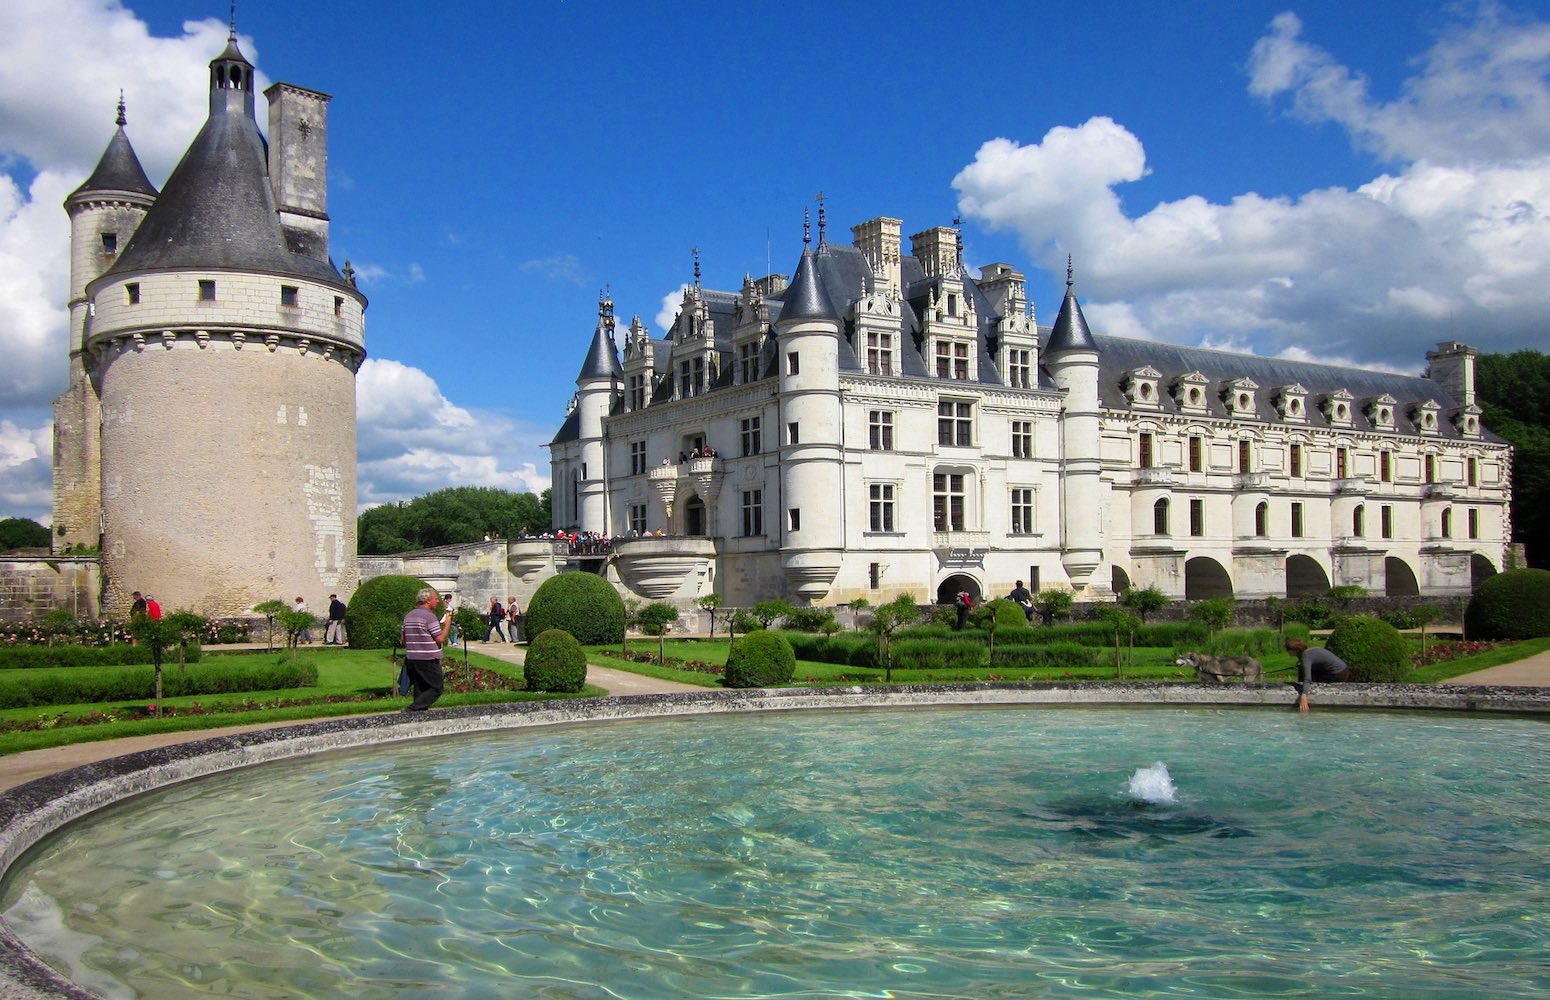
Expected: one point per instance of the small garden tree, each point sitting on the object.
(295, 623)
(1344, 594)
(188, 626)
(1214, 613)
(886, 620)
(1423, 615)
(1052, 604)
(654, 620)
(771, 611)
(156, 634)
(1144, 601)
(710, 604)
(994, 615)
(466, 622)
(1123, 624)
(631, 620)
(269, 609)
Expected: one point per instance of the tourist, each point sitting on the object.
(495, 620)
(137, 609)
(333, 635)
(300, 607)
(152, 609)
(424, 636)
(1314, 663)
(513, 620)
(964, 603)
(1024, 600)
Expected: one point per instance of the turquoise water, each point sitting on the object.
(945, 853)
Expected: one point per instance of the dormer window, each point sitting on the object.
(1337, 407)
(952, 359)
(1190, 392)
(1240, 396)
(1380, 411)
(1292, 403)
(1467, 420)
(1141, 387)
(1424, 417)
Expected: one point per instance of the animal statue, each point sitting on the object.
(1216, 669)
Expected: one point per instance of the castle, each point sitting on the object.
(206, 442)
(886, 423)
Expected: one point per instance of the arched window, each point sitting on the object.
(1359, 521)
(1447, 522)
(1160, 517)
(1262, 519)
(575, 495)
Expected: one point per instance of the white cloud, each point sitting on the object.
(672, 302)
(1438, 249)
(26, 461)
(564, 267)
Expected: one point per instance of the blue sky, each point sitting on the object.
(1341, 181)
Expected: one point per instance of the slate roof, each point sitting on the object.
(1070, 331)
(602, 359)
(118, 170)
(806, 297)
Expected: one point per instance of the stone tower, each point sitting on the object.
(807, 338)
(1071, 355)
(597, 387)
(223, 346)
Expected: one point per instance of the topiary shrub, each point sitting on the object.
(1009, 614)
(760, 659)
(1510, 605)
(583, 604)
(555, 661)
(374, 618)
(1373, 649)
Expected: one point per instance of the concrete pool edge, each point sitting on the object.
(32, 811)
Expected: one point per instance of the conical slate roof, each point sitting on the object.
(806, 298)
(602, 357)
(1070, 331)
(118, 170)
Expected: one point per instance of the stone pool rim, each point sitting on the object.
(30, 812)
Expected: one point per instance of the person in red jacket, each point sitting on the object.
(152, 609)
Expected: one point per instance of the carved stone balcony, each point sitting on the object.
(1353, 486)
(1439, 491)
(1157, 475)
(656, 568)
(1251, 481)
(962, 547)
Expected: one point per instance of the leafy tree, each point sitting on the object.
(1514, 395)
(1052, 604)
(1124, 625)
(21, 533)
(768, 612)
(188, 626)
(1423, 615)
(886, 620)
(1344, 594)
(654, 620)
(295, 623)
(269, 609)
(1144, 601)
(710, 603)
(1214, 614)
(466, 622)
(450, 516)
(157, 634)
(994, 615)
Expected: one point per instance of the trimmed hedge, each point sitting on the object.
(1060, 656)
(1373, 649)
(760, 659)
(936, 654)
(848, 649)
(116, 655)
(1510, 605)
(555, 661)
(1240, 642)
(138, 683)
(374, 618)
(583, 604)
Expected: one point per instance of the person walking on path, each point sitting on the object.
(1024, 600)
(300, 607)
(496, 619)
(152, 609)
(424, 636)
(333, 635)
(513, 619)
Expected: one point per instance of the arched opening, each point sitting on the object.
(1204, 577)
(1261, 519)
(1399, 579)
(1359, 521)
(949, 588)
(1481, 569)
(1160, 517)
(1119, 580)
(694, 517)
(1305, 577)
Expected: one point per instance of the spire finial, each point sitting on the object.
(232, 34)
(822, 220)
(958, 231)
(605, 309)
(807, 230)
(121, 119)
(696, 252)
(1069, 281)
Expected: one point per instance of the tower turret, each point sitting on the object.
(1071, 355)
(597, 386)
(807, 337)
(231, 80)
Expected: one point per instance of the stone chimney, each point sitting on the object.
(1453, 368)
(298, 166)
(937, 251)
(878, 241)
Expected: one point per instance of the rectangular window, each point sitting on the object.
(133, 291)
(1296, 518)
(1474, 523)
(1473, 466)
(1144, 455)
(1295, 459)
(947, 501)
(952, 360)
(1196, 453)
(753, 512)
(638, 518)
(880, 430)
(874, 572)
(637, 394)
(110, 243)
(206, 290)
(1342, 463)
(637, 458)
(1245, 456)
(792, 437)
(1022, 439)
(1386, 520)
(954, 424)
(880, 498)
(1386, 466)
(793, 364)
(1019, 369)
(795, 518)
(288, 295)
(1197, 517)
(747, 363)
(685, 381)
(879, 353)
(749, 428)
(338, 305)
(1022, 510)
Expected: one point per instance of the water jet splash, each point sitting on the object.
(1153, 786)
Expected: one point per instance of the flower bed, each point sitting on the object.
(1442, 652)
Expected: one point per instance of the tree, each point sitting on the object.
(1144, 601)
(1514, 395)
(21, 533)
(1123, 624)
(1052, 604)
(1423, 615)
(1214, 614)
(654, 620)
(631, 619)
(886, 620)
(768, 612)
(1344, 594)
(992, 615)
(295, 623)
(187, 625)
(710, 603)
(450, 516)
(269, 609)
(156, 634)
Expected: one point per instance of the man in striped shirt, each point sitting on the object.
(424, 636)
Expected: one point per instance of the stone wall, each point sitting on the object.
(32, 585)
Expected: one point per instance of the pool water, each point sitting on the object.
(908, 854)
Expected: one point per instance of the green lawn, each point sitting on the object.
(364, 677)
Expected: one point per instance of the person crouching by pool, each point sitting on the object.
(1315, 664)
(424, 635)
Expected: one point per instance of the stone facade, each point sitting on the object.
(474, 572)
(884, 423)
(206, 443)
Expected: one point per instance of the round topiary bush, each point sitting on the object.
(374, 618)
(1510, 605)
(1373, 649)
(555, 662)
(1009, 614)
(583, 604)
(760, 659)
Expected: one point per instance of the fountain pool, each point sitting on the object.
(953, 853)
